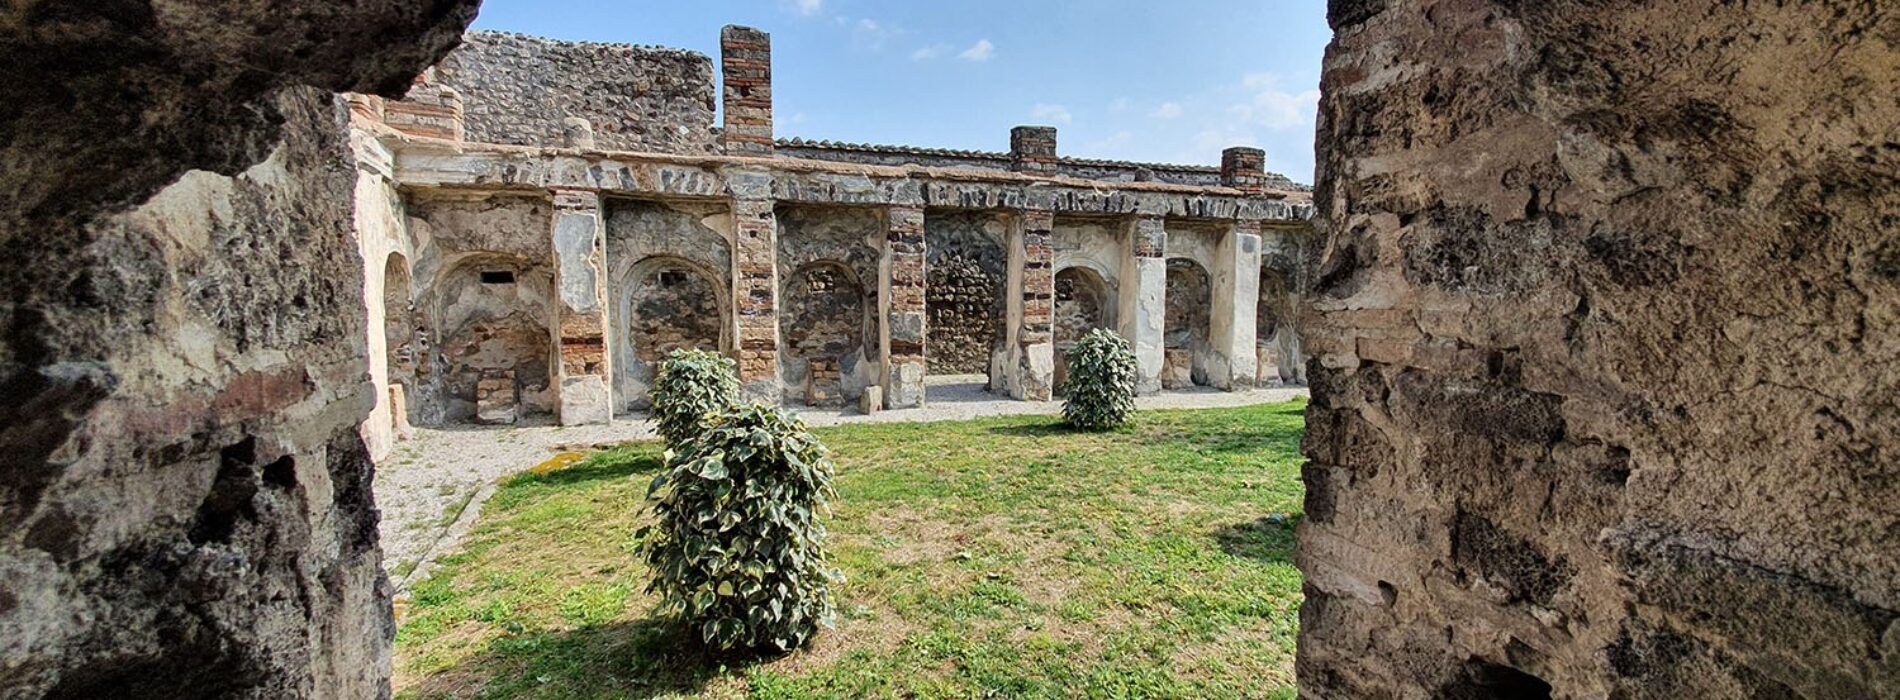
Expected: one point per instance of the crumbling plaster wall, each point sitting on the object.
(472, 326)
(1190, 296)
(836, 324)
(185, 507)
(967, 269)
(1281, 355)
(1088, 254)
(517, 89)
(652, 316)
(1606, 388)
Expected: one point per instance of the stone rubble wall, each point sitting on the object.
(1605, 322)
(519, 89)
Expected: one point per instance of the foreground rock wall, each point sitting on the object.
(1606, 389)
(184, 498)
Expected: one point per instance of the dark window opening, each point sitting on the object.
(1483, 680)
(672, 278)
(498, 277)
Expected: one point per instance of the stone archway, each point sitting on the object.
(1082, 304)
(823, 318)
(1186, 328)
(672, 305)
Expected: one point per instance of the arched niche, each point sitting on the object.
(825, 316)
(1083, 302)
(1186, 329)
(404, 340)
(494, 359)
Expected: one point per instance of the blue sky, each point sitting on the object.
(1150, 80)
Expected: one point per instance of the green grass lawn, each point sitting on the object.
(1004, 557)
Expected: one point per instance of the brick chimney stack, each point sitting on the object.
(1032, 149)
(745, 58)
(1244, 168)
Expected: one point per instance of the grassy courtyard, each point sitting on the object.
(1003, 557)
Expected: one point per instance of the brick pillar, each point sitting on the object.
(1032, 149)
(430, 109)
(1236, 295)
(902, 299)
(1030, 374)
(580, 290)
(1244, 169)
(745, 58)
(1141, 307)
(755, 292)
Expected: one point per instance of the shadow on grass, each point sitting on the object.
(646, 658)
(1035, 429)
(1261, 540)
(608, 465)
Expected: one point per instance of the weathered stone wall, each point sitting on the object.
(828, 267)
(1189, 296)
(485, 300)
(1086, 168)
(1280, 354)
(517, 89)
(967, 267)
(669, 281)
(185, 506)
(1606, 397)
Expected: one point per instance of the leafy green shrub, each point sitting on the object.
(693, 386)
(1101, 382)
(738, 553)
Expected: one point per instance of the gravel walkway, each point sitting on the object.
(431, 488)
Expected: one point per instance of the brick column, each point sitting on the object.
(1244, 169)
(580, 291)
(745, 58)
(1032, 149)
(1141, 308)
(755, 293)
(902, 302)
(1030, 374)
(430, 109)
(1236, 294)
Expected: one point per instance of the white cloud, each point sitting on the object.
(1167, 110)
(808, 8)
(979, 51)
(928, 52)
(1051, 113)
(1268, 106)
(867, 33)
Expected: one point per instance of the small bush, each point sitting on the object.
(1101, 382)
(693, 386)
(738, 553)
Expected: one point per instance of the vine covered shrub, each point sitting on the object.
(738, 554)
(694, 386)
(1101, 382)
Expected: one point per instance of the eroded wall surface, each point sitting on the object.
(1606, 388)
(669, 282)
(519, 89)
(184, 503)
(964, 296)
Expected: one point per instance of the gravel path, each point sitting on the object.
(431, 488)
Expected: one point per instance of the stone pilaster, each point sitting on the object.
(755, 292)
(902, 302)
(745, 56)
(1236, 295)
(1030, 373)
(580, 290)
(1141, 308)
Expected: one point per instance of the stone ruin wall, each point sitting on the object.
(964, 301)
(1606, 388)
(519, 89)
(669, 283)
(828, 272)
